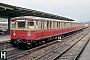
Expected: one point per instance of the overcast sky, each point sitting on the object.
(77, 9)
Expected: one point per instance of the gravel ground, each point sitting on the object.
(43, 50)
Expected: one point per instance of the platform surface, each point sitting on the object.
(4, 37)
(86, 53)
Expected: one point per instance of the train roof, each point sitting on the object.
(41, 19)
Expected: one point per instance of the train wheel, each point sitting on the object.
(29, 45)
(39, 43)
(14, 43)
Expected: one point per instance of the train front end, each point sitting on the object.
(20, 31)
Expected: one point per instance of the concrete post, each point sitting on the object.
(8, 31)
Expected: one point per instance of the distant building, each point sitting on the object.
(3, 24)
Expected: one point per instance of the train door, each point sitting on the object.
(42, 28)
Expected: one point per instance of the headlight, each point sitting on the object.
(29, 34)
(14, 33)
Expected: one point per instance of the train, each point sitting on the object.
(32, 31)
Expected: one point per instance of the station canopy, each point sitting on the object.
(9, 11)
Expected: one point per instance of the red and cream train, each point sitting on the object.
(31, 30)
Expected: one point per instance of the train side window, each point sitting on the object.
(45, 25)
(68, 25)
(71, 25)
(65, 25)
(42, 25)
(49, 25)
(13, 24)
(62, 25)
(39, 25)
(31, 24)
(53, 25)
(59, 24)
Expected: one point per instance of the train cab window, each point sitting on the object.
(21, 23)
(31, 24)
(13, 24)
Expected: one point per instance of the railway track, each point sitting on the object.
(66, 51)
(73, 53)
(19, 54)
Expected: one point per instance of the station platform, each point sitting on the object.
(4, 37)
(85, 53)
